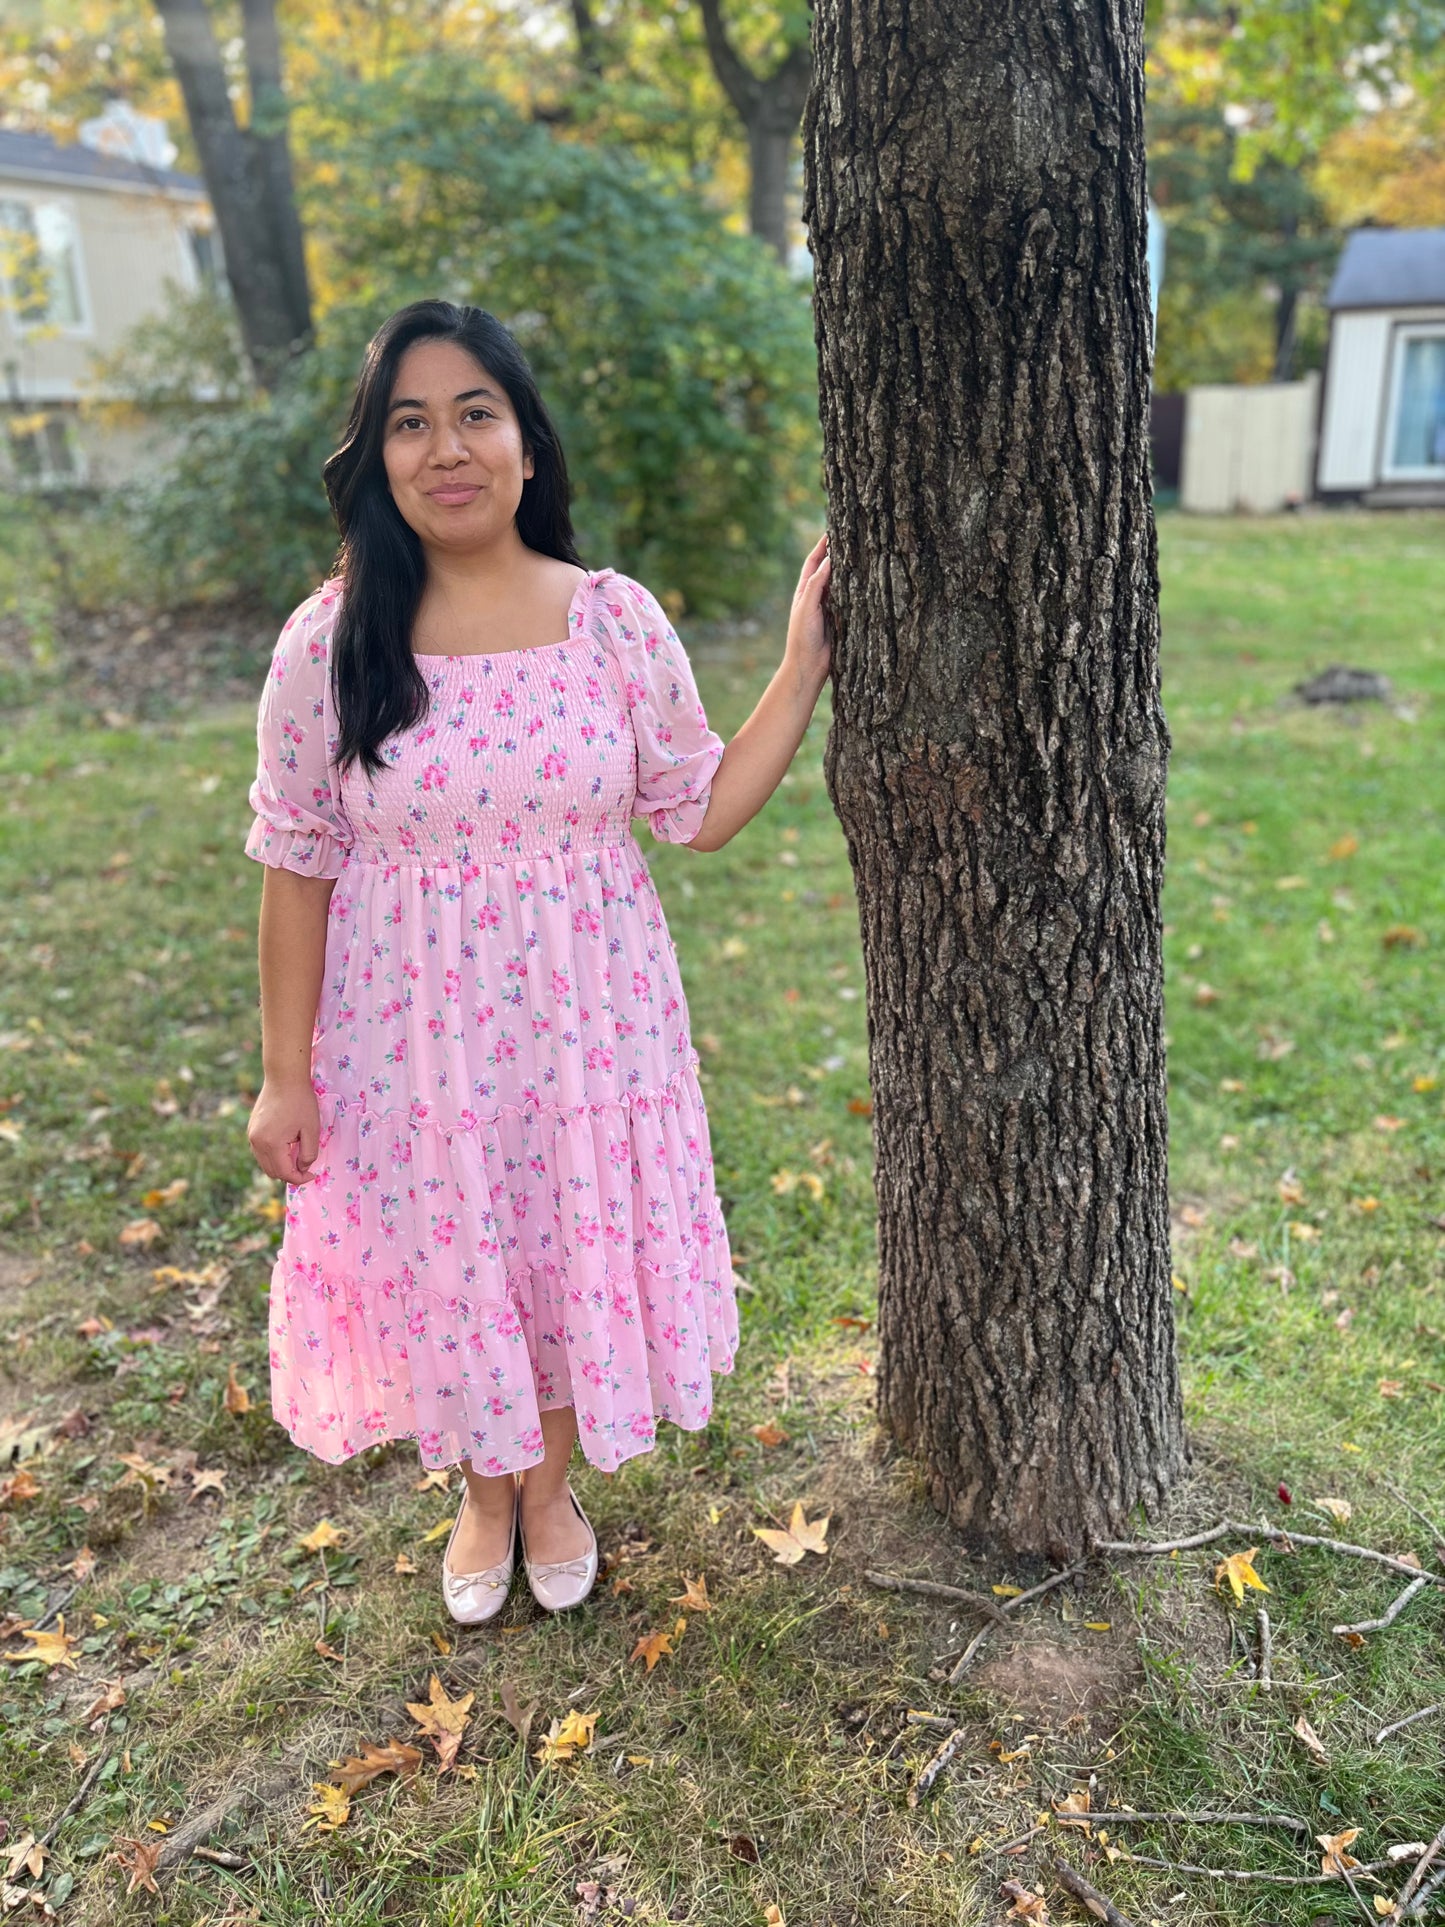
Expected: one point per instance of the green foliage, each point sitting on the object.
(676, 357)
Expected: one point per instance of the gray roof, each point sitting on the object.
(1386, 267)
(38, 157)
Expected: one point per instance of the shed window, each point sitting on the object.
(1418, 438)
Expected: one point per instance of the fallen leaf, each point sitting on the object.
(800, 1536)
(1026, 1904)
(321, 1536)
(141, 1863)
(166, 1194)
(1239, 1570)
(1291, 1191)
(140, 1231)
(1386, 1123)
(438, 1531)
(565, 1737)
(403, 1564)
(695, 1598)
(331, 1811)
(110, 1701)
(1311, 1740)
(1073, 1808)
(328, 1652)
(438, 1479)
(443, 1721)
(359, 1770)
(19, 1486)
(1344, 846)
(1340, 1510)
(211, 1480)
(1402, 936)
(651, 1646)
(28, 1852)
(1335, 1858)
(237, 1398)
(51, 1649)
(1392, 1388)
(769, 1433)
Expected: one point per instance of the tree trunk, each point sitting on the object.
(975, 198)
(271, 149)
(261, 255)
(768, 107)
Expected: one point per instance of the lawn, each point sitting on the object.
(220, 1665)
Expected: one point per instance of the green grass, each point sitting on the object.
(749, 1769)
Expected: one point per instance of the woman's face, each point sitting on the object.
(453, 448)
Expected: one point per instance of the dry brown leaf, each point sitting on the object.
(769, 1433)
(565, 1736)
(1335, 1858)
(443, 1720)
(695, 1598)
(29, 1853)
(1026, 1904)
(109, 1701)
(800, 1536)
(140, 1864)
(165, 1194)
(403, 1564)
(651, 1646)
(328, 1652)
(359, 1770)
(1311, 1740)
(141, 1232)
(19, 1486)
(237, 1398)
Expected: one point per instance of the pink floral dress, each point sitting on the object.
(513, 1206)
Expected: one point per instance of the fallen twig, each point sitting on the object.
(1244, 1877)
(1426, 1894)
(1402, 1907)
(53, 1612)
(1100, 1907)
(1392, 1612)
(1210, 1819)
(1011, 1606)
(936, 1589)
(1266, 1650)
(929, 1773)
(183, 1842)
(967, 1656)
(1288, 1534)
(1409, 1720)
(235, 1861)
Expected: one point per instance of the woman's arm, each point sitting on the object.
(757, 758)
(284, 1131)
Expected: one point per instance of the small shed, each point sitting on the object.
(1382, 420)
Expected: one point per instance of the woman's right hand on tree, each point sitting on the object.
(285, 1131)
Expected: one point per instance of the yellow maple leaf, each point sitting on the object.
(800, 1536)
(331, 1811)
(321, 1536)
(1239, 1570)
(651, 1646)
(437, 1531)
(565, 1737)
(51, 1649)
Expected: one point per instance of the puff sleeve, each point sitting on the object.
(299, 823)
(677, 752)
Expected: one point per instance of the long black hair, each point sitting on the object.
(376, 683)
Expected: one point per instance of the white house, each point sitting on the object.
(1382, 420)
(88, 239)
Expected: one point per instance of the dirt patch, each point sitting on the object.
(127, 665)
(1051, 1684)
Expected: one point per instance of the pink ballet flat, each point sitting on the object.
(562, 1582)
(472, 1598)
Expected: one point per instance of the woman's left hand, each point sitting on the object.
(810, 626)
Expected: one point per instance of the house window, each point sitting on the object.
(1417, 416)
(40, 257)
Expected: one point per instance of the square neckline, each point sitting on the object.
(584, 588)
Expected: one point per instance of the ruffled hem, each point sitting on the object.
(315, 853)
(470, 1384)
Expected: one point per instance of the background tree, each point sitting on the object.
(248, 177)
(975, 198)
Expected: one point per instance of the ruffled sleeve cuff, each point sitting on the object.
(281, 845)
(680, 821)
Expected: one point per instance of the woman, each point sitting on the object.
(479, 1084)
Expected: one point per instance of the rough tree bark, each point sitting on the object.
(975, 199)
(248, 178)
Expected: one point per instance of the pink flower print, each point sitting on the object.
(505, 1049)
(391, 1008)
(641, 985)
(429, 1440)
(489, 917)
(483, 1014)
(599, 1057)
(425, 733)
(419, 1111)
(554, 764)
(497, 1405)
(443, 1231)
(585, 921)
(397, 1053)
(592, 1371)
(411, 969)
(511, 835)
(434, 777)
(375, 1420)
(394, 914)
(452, 983)
(406, 837)
(436, 1026)
(642, 1426)
(467, 1119)
(416, 1323)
